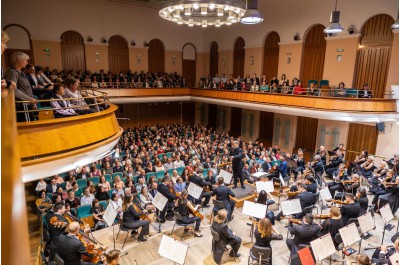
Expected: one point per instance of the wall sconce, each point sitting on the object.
(296, 37)
(103, 40)
(223, 61)
(133, 43)
(145, 44)
(173, 60)
(138, 58)
(289, 60)
(351, 30)
(251, 60)
(97, 57)
(89, 39)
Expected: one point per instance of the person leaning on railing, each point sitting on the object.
(62, 107)
(341, 91)
(71, 91)
(365, 92)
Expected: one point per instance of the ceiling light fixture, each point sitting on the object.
(334, 26)
(252, 15)
(204, 12)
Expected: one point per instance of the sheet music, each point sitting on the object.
(160, 201)
(366, 222)
(349, 234)
(194, 190)
(268, 186)
(110, 214)
(291, 207)
(386, 213)
(254, 209)
(394, 259)
(173, 250)
(226, 175)
(259, 174)
(325, 194)
(323, 247)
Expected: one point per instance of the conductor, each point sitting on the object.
(237, 164)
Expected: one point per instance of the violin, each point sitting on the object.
(294, 221)
(348, 181)
(339, 202)
(292, 194)
(322, 216)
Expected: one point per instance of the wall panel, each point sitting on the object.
(118, 54)
(271, 55)
(238, 58)
(156, 56)
(361, 137)
(306, 133)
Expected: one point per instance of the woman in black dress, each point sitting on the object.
(263, 234)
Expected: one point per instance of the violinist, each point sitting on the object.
(306, 199)
(183, 206)
(72, 249)
(362, 199)
(262, 198)
(318, 165)
(351, 209)
(199, 181)
(164, 189)
(367, 167)
(223, 193)
(311, 184)
(299, 158)
(338, 176)
(333, 224)
(131, 218)
(378, 176)
(54, 224)
(334, 163)
(263, 234)
(322, 153)
(382, 254)
(392, 194)
(303, 233)
(349, 186)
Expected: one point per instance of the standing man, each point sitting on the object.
(223, 194)
(237, 164)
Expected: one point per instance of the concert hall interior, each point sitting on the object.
(200, 132)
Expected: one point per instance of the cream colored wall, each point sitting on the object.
(91, 63)
(202, 65)
(255, 54)
(393, 74)
(247, 137)
(342, 71)
(226, 69)
(388, 143)
(51, 59)
(330, 125)
(292, 51)
(170, 66)
(292, 138)
(134, 63)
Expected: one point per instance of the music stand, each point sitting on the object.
(387, 216)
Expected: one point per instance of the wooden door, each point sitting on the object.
(189, 72)
(361, 137)
(212, 116)
(266, 131)
(236, 121)
(306, 133)
(118, 54)
(213, 59)
(238, 58)
(72, 51)
(271, 55)
(156, 56)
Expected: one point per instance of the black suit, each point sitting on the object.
(223, 194)
(170, 196)
(303, 234)
(226, 238)
(200, 182)
(50, 189)
(363, 201)
(319, 167)
(237, 166)
(306, 199)
(332, 167)
(71, 250)
(348, 211)
(332, 227)
(54, 232)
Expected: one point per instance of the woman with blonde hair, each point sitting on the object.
(263, 234)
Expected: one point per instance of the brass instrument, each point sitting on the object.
(322, 216)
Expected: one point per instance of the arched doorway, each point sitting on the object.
(189, 64)
(118, 54)
(72, 51)
(238, 58)
(312, 62)
(271, 55)
(213, 59)
(156, 56)
(373, 56)
(20, 40)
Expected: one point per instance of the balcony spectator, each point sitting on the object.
(275, 81)
(62, 107)
(38, 89)
(365, 92)
(283, 80)
(264, 87)
(295, 81)
(71, 91)
(298, 89)
(341, 91)
(255, 79)
(313, 89)
(247, 80)
(224, 79)
(254, 86)
(42, 78)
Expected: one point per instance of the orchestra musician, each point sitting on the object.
(199, 181)
(182, 206)
(306, 199)
(378, 175)
(237, 164)
(112, 257)
(391, 197)
(299, 158)
(71, 249)
(55, 229)
(318, 165)
(332, 224)
(348, 186)
(338, 176)
(263, 234)
(131, 218)
(334, 163)
(322, 153)
(262, 198)
(163, 188)
(303, 233)
(363, 259)
(223, 194)
(311, 184)
(382, 254)
(351, 209)
(367, 167)
(282, 168)
(362, 199)
(227, 237)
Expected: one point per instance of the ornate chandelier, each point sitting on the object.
(204, 13)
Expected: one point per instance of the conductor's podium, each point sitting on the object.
(49, 147)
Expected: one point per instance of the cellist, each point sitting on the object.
(184, 206)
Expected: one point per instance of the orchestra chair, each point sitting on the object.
(316, 201)
(338, 240)
(178, 219)
(58, 260)
(261, 255)
(123, 228)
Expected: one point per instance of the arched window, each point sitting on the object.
(189, 64)
(20, 40)
(238, 58)
(118, 54)
(312, 62)
(374, 54)
(213, 59)
(271, 55)
(156, 56)
(72, 51)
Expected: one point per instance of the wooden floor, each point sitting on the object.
(200, 248)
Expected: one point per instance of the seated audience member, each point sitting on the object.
(104, 183)
(298, 89)
(341, 91)
(119, 190)
(365, 92)
(102, 194)
(41, 185)
(94, 172)
(98, 211)
(264, 87)
(72, 91)
(41, 201)
(72, 200)
(83, 174)
(146, 199)
(53, 186)
(313, 89)
(37, 88)
(62, 107)
(87, 197)
(42, 78)
(180, 185)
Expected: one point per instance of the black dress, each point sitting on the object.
(265, 241)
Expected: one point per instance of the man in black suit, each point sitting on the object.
(303, 233)
(351, 209)
(72, 249)
(306, 199)
(227, 237)
(164, 190)
(53, 186)
(199, 181)
(237, 164)
(223, 194)
(318, 167)
(335, 161)
(362, 199)
(365, 92)
(55, 228)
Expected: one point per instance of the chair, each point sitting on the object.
(178, 219)
(95, 180)
(149, 175)
(180, 170)
(262, 255)
(110, 192)
(82, 183)
(83, 211)
(338, 240)
(312, 81)
(104, 204)
(169, 154)
(170, 171)
(99, 166)
(218, 205)
(108, 178)
(122, 227)
(160, 174)
(58, 260)
(205, 172)
(308, 209)
(160, 156)
(316, 199)
(117, 174)
(63, 185)
(49, 195)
